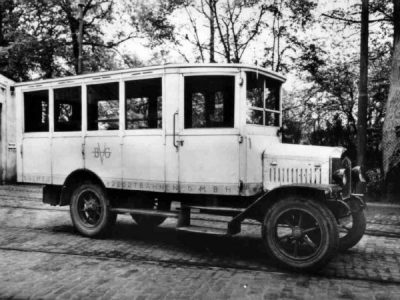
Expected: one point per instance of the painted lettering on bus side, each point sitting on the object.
(101, 153)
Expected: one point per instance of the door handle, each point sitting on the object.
(176, 143)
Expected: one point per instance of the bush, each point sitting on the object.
(375, 185)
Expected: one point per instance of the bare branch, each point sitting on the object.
(353, 21)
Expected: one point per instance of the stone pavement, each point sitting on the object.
(41, 257)
(53, 276)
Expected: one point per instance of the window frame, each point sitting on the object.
(149, 131)
(85, 127)
(143, 131)
(263, 109)
(49, 112)
(74, 132)
(236, 74)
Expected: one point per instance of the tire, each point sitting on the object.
(148, 221)
(300, 233)
(351, 229)
(149, 202)
(90, 212)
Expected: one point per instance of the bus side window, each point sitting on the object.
(36, 111)
(209, 101)
(67, 109)
(143, 103)
(103, 106)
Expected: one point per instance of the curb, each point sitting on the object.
(383, 205)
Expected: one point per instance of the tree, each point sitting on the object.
(17, 49)
(95, 13)
(225, 29)
(363, 88)
(288, 19)
(39, 38)
(391, 129)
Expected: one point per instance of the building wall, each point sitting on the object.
(7, 131)
(391, 138)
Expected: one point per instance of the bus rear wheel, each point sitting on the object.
(351, 226)
(300, 233)
(149, 202)
(90, 212)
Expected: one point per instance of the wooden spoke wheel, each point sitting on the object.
(149, 202)
(351, 228)
(89, 210)
(300, 233)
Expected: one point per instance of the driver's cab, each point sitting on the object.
(231, 113)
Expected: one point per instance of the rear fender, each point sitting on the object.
(75, 179)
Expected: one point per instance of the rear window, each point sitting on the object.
(36, 111)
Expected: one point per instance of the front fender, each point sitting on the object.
(257, 209)
(319, 191)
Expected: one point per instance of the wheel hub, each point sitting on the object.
(90, 205)
(297, 232)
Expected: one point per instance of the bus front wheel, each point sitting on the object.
(300, 233)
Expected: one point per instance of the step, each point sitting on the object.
(217, 210)
(146, 212)
(205, 230)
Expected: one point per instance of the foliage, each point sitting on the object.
(375, 184)
(225, 30)
(288, 19)
(327, 104)
(40, 38)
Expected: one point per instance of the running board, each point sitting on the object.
(184, 219)
(146, 212)
(219, 210)
(205, 230)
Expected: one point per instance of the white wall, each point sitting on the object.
(7, 132)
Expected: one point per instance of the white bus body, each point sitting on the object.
(221, 161)
(203, 130)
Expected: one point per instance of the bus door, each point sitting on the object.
(208, 142)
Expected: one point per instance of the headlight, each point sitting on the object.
(340, 170)
(340, 177)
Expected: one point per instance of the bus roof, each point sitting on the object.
(149, 69)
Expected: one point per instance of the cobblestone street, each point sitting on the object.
(42, 257)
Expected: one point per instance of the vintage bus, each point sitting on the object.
(207, 136)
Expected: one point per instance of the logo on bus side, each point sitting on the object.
(101, 153)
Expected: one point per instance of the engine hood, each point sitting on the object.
(297, 164)
(308, 152)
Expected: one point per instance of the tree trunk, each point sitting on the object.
(391, 140)
(212, 32)
(363, 88)
(1, 30)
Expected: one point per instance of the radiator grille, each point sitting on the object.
(294, 175)
(280, 171)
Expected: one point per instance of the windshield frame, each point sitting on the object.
(264, 109)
